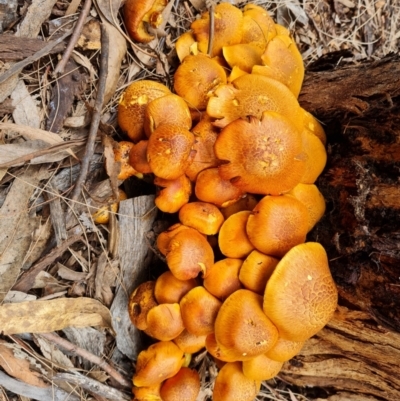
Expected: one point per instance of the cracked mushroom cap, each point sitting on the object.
(196, 79)
(232, 385)
(185, 385)
(251, 95)
(277, 224)
(174, 193)
(169, 151)
(262, 157)
(242, 326)
(160, 361)
(138, 13)
(228, 21)
(168, 109)
(301, 296)
(132, 106)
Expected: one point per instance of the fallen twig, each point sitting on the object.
(74, 38)
(212, 29)
(94, 126)
(89, 356)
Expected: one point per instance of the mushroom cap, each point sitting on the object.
(251, 95)
(228, 21)
(220, 352)
(247, 202)
(310, 196)
(264, 157)
(168, 109)
(261, 368)
(185, 385)
(236, 72)
(199, 309)
(223, 278)
(258, 26)
(186, 45)
(243, 55)
(159, 362)
(138, 158)
(174, 195)
(316, 157)
(283, 56)
(189, 254)
(140, 302)
(169, 151)
(165, 237)
(196, 79)
(283, 350)
(190, 343)
(132, 106)
(232, 385)
(301, 296)
(139, 12)
(151, 393)
(242, 326)
(233, 240)
(311, 124)
(164, 322)
(210, 187)
(256, 270)
(205, 135)
(102, 215)
(169, 290)
(277, 224)
(204, 217)
(121, 155)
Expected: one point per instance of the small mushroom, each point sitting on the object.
(247, 202)
(172, 194)
(232, 385)
(301, 297)
(243, 56)
(283, 350)
(204, 217)
(138, 158)
(185, 385)
(132, 106)
(169, 290)
(140, 302)
(160, 361)
(102, 215)
(199, 310)
(165, 237)
(137, 13)
(190, 343)
(261, 368)
(242, 326)
(151, 393)
(121, 156)
(186, 45)
(277, 224)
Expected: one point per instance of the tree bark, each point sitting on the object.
(359, 350)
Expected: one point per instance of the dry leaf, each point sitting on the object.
(109, 10)
(52, 315)
(116, 53)
(84, 62)
(18, 296)
(17, 364)
(106, 276)
(67, 274)
(53, 354)
(30, 133)
(112, 167)
(25, 111)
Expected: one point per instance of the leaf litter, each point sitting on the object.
(90, 279)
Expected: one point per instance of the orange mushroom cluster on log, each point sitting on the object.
(242, 179)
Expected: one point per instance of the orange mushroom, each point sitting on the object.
(243, 55)
(277, 224)
(256, 270)
(211, 188)
(186, 45)
(189, 254)
(137, 13)
(174, 193)
(121, 156)
(247, 202)
(228, 21)
(232, 385)
(223, 278)
(204, 217)
(132, 105)
(313, 125)
(199, 310)
(169, 290)
(301, 297)
(242, 326)
(233, 240)
(151, 393)
(283, 350)
(264, 157)
(160, 361)
(190, 343)
(261, 368)
(140, 302)
(196, 79)
(185, 385)
(138, 157)
(168, 109)
(169, 151)
(102, 215)
(251, 95)
(165, 237)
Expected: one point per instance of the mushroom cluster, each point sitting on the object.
(236, 157)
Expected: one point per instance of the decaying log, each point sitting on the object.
(358, 352)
